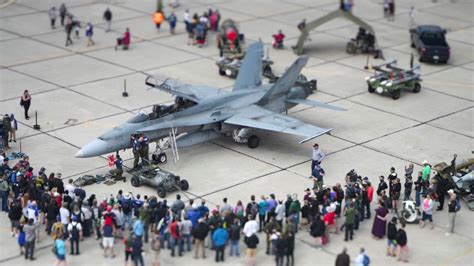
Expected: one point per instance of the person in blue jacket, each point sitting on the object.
(219, 237)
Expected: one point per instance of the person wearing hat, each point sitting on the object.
(453, 208)
(318, 156)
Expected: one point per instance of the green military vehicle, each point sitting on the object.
(392, 80)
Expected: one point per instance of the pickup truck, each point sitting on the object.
(430, 43)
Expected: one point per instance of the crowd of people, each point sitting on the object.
(69, 215)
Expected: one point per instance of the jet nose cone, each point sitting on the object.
(94, 148)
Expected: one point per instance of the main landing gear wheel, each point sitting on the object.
(253, 142)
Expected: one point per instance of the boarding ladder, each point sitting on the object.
(172, 143)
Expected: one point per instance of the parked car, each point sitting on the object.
(430, 42)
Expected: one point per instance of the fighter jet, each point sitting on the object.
(202, 113)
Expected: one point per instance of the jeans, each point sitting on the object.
(74, 242)
(29, 249)
(145, 231)
(356, 222)
(367, 207)
(349, 231)
(127, 219)
(220, 253)
(234, 246)
(261, 222)
(451, 218)
(187, 241)
(165, 237)
(138, 258)
(417, 198)
(177, 242)
(279, 260)
(362, 212)
(4, 199)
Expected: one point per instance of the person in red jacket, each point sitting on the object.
(370, 196)
(278, 39)
(124, 41)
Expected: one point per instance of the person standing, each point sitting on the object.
(251, 252)
(137, 249)
(26, 102)
(108, 18)
(108, 231)
(318, 156)
(317, 230)
(402, 241)
(75, 232)
(30, 237)
(408, 187)
(317, 175)
(172, 19)
(418, 186)
(349, 213)
(426, 176)
(234, 238)
(13, 128)
(370, 197)
(343, 258)
(68, 27)
(382, 186)
(262, 210)
(62, 13)
(89, 32)
(391, 10)
(200, 234)
(53, 15)
(362, 259)
(158, 18)
(380, 221)
(4, 190)
(60, 250)
(427, 211)
(219, 238)
(453, 208)
(391, 237)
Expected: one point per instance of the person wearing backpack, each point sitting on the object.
(127, 211)
(454, 205)
(362, 259)
(75, 232)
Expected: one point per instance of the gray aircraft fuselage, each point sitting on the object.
(221, 106)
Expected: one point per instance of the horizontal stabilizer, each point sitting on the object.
(315, 103)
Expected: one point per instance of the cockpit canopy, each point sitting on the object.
(138, 118)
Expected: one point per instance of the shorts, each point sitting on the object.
(391, 242)
(128, 254)
(427, 217)
(61, 257)
(108, 242)
(15, 223)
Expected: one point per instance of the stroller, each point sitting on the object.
(409, 213)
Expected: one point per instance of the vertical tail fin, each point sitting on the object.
(288, 79)
(250, 73)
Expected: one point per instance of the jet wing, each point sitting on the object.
(258, 117)
(181, 89)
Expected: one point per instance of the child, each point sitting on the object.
(21, 240)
